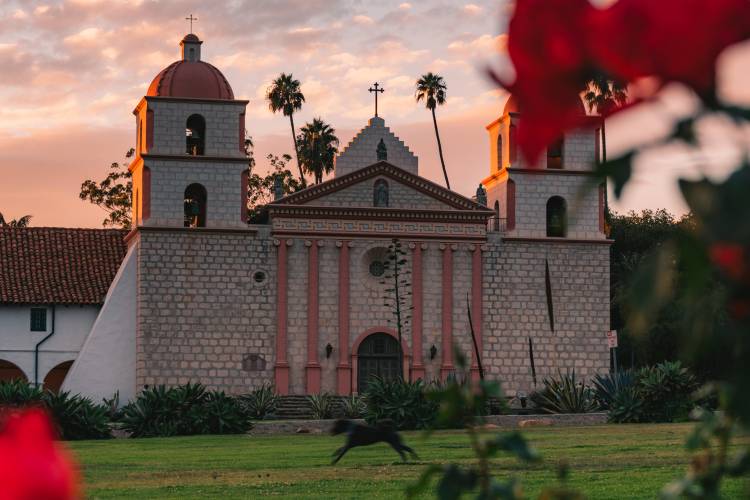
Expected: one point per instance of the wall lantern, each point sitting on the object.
(522, 397)
(329, 350)
(433, 351)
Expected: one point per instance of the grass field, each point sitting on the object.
(608, 462)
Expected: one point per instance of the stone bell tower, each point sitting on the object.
(551, 199)
(190, 164)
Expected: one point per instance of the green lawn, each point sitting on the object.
(623, 461)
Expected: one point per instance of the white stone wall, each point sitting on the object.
(515, 309)
(222, 126)
(222, 181)
(361, 195)
(533, 190)
(362, 150)
(17, 341)
(200, 312)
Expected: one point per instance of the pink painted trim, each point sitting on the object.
(601, 209)
(243, 187)
(281, 369)
(146, 193)
(476, 307)
(343, 370)
(447, 314)
(312, 369)
(362, 337)
(417, 299)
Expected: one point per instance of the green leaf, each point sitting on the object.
(514, 443)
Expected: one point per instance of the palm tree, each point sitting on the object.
(318, 146)
(21, 222)
(285, 95)
(431, 88)
(604, 96)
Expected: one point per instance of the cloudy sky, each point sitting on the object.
(73, 70)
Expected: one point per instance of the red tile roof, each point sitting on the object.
(51, 265)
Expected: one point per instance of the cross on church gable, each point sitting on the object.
(377, 90)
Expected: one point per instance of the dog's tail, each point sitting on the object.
(340, 426)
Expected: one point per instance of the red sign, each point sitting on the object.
(612, 339)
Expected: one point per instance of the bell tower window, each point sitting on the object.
(555, 154)
(557, 217)
(195, 135)
(195, 206)
(380, 193)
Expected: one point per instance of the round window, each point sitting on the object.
(377, 268)
(259, 277)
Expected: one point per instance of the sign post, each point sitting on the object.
(612, 344)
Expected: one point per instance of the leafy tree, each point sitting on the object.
(113, 194)
(431, 89)
(318, 146)
(20, 222)
(261, 189)
(285, 95)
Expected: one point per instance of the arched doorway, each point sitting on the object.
(54, 379)
(9, 371)
(377, 355)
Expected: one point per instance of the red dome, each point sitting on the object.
(191, 79)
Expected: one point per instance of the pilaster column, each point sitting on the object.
(312, 369)
(446, 366)
(477, 305)
(417, 369)
(281, 368)
(344, 369)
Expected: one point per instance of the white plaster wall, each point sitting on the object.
(106, 362)
(17, 341)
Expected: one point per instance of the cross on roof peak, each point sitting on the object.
(377, 89)
(191, 19)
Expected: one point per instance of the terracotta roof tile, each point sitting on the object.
(50, 265)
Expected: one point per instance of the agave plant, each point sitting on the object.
(321, 405)
(262, 402)
(18, 392)
(222, 414)
(353, 406)
(565, 395)
(406, 404)
(607, 386)
(77, 417)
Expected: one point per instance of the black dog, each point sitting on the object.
(364, 435)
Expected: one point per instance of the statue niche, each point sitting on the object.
(380, 193)
(382, 151)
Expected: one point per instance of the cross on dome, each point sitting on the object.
(191, 19)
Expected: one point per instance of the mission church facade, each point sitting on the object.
(203, 296)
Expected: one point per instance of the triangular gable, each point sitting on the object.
(354, 190)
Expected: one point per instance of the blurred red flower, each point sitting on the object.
(730, 258)
(547, 42)
(32, 465)
(673, 40)
(558, 46)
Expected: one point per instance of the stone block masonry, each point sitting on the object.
(203, 311)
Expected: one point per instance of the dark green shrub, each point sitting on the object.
(667, 391)
(261, 403)
(321, 405)
(183, 410)
(77, 417)
(565, 395)
(404, 403)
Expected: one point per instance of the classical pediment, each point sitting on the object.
(406, 192)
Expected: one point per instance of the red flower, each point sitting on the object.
(547, 42)
(673, 40)
(730, 258)
(32, 465)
